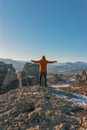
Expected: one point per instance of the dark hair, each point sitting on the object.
(43, 57)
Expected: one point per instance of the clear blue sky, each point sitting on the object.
(32, 28)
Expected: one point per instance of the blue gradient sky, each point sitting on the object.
(32, 28)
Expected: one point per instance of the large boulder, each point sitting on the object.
(22, 78)
(10, 79)
(31, 69)
(25, 79)
(3, 71)
(29, 75)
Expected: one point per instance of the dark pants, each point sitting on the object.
(43, 74)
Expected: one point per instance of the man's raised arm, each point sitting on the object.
(51, 61)
(38, 61)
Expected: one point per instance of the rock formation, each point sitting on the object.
(81, 78)
(78, 79)
(29, 75)
(8, 79)
(19, 77)
(31, 69)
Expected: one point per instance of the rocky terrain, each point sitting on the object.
(79, 89)
(24, 105)
(38, 108)
(79, 85)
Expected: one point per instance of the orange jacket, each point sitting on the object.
(43, 64)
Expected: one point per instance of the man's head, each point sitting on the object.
(43, 57)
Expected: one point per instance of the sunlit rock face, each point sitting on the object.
(22, 78)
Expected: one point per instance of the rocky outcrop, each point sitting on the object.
(58, 78)
(81, 78)
(84, 76)
(25, 79)
(3, 71)
(78, 79)
(37, 108)
(19, 77)
(31, 69)
(29, 75)
(8, 79)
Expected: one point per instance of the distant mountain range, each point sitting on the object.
(78, 64)
(18, 65)
(58, 67)
(69, 67)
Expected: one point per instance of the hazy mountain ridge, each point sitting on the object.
(68, 67)
(18, 65)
